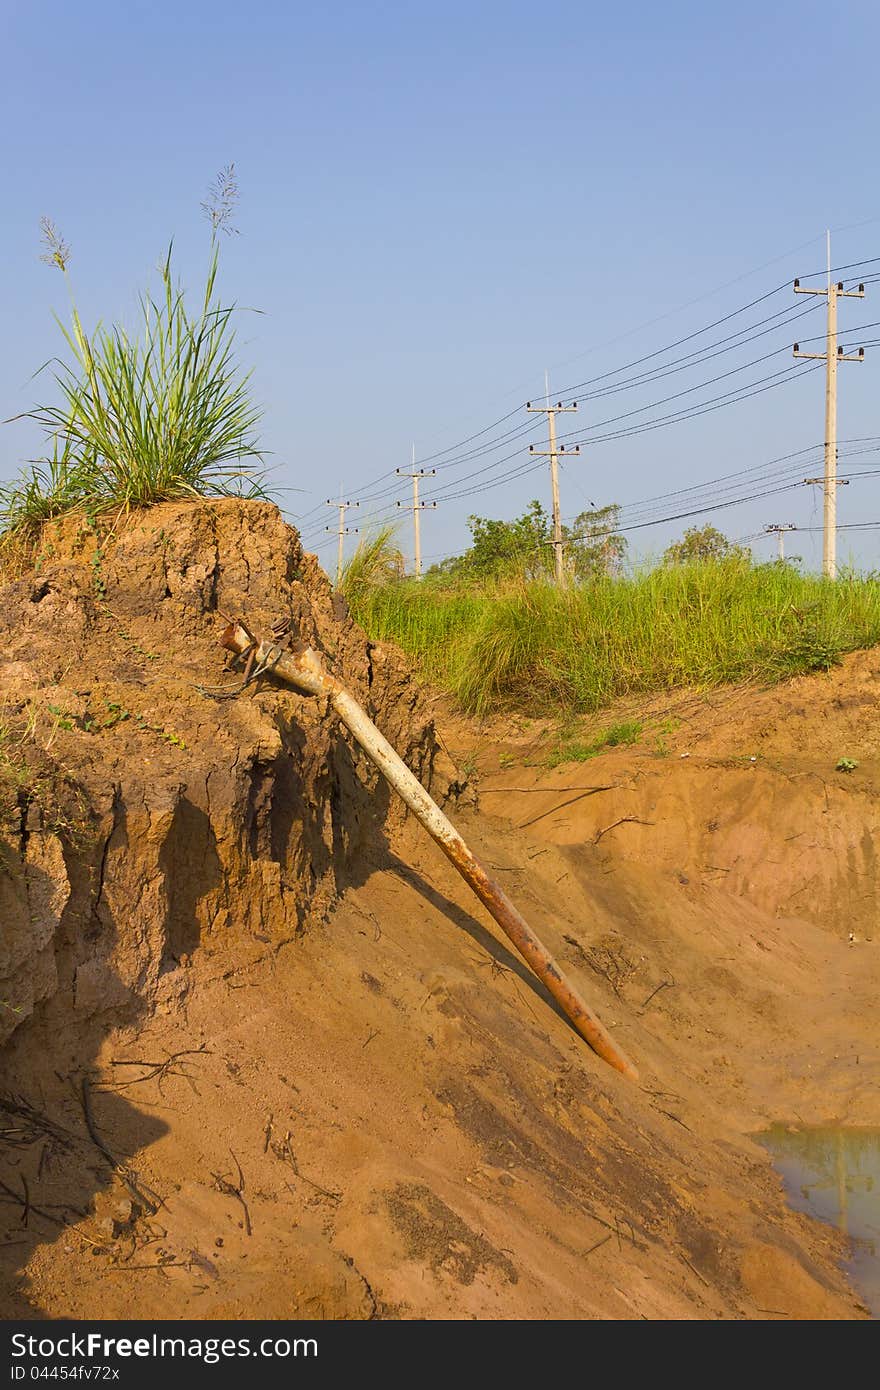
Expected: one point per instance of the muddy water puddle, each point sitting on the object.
(833, 1173)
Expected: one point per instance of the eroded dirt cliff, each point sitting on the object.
(144, 820)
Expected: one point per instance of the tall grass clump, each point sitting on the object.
(377, 560)
(427, 621)
(694, 625)
(162, 413)
(44, 490)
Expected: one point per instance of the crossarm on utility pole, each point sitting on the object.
(304, 670)
(341, 532)
(417, 507)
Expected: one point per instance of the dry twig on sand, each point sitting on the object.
(230, 1190)
(284, 1151)
(157, 1071)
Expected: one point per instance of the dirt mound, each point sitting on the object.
(213, 1112)
(145, 820)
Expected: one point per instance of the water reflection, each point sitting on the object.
(833, 1173)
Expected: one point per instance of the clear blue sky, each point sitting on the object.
(439, 201)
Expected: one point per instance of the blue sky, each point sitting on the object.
(438, 202)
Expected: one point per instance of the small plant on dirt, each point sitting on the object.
(845, 765)
(98, 582)
(164, 414)
(125, 636)
(47, 489)
(27, 777)
(579, 752)
(160, 730)
(666, 726)
(13, 776)
(572, 753)
(17, 777)
(62, 716)
(171, 737)
(628, 732)
(116, 714)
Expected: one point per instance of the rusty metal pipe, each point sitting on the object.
(304, 669)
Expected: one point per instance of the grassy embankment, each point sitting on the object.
(578, 650)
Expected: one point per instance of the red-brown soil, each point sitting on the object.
(379, 1112)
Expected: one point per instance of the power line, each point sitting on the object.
(368, 489)
(695, 359)
(714, 504)
(454, 491)
(676, 417)
(725, 477)
(699, 386)
(375, 494)
(709, 506)
(579, 387)
(660, 318)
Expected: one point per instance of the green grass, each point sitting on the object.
(691, 625)
(28, 775)
(577, 751)
(13, 779)
(376, 560)
(163, 414)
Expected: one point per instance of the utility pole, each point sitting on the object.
(553, 453)
(341, 531)
(831, 356)
(416, 506)
(779, 532)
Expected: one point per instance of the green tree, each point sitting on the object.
(701, 543)
(594, 545)
(523, 547)
(503, 548)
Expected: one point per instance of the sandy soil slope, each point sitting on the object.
(382, 1114)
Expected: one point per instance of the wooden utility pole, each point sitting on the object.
(341, 531)
(554, 454)
(779, 532)
(831, 356)
(416, 507)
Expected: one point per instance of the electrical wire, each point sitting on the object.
(692, 359)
